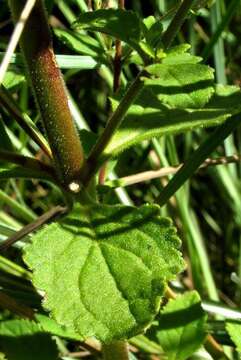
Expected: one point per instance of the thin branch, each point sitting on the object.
(118, 54)
(15, 37)
(89, 4)
(26, 161)
(96, 156)
(154, 174)
(7, 302)
(26, 230)
(23, 120)
(177, 22)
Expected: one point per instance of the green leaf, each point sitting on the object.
(88, 140)
(147, 24)
(88, 264)
(80, 43)
(153, 36)
(181, 85)
(234, 331)
(25, 340)
(179, 55)
(182, 326)
(121, 24)
(148, 118)
(13, 79)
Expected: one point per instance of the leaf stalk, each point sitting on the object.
(96, 157)
(117, 350)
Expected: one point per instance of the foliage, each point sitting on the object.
(141, 97)
(234, 330)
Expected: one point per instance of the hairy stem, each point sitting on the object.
(50, 94)
(176, 22)
(117, 350)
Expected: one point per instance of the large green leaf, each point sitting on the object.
(181, 85)
(148, 118)
(182, 326)
(234, 330)
(104, 268)
(121, 24)
(25, 340)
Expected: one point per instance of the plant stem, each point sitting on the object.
(28, 6)
(96, 155)
(118, 54)
(26, 161)
(49, 91)
(117, 350)
(21, 211)
(165, 171)
(176, 22)
(26, 230)
(23, 120)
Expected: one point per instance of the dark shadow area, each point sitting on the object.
(181, 317)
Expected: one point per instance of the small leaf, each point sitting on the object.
(50, 326)
(182, 326)
(25, 340)
(13, 79)
(121, 24)
(88, 264)
(148, 118)
(88, 140)
(234, 330)
(181, 85)
(179, 55)
(153, 36)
